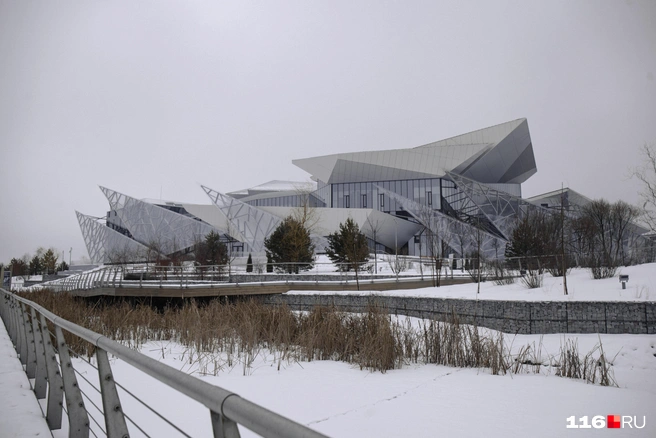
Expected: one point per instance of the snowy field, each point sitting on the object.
(580, 286)
(341, 400)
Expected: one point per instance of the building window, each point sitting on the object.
(364, 201)
(429, 198)
(347, 201)
(382, 200)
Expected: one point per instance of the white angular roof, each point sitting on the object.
(498, 154)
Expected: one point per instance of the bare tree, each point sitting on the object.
(623, 218)
(646, 174)
(477, 262)
(306, 214)
(606, 229)
(232, 233)
(155, 253)
(123, 255)
(397, 264)
(461, 237)
(437, 242)
(373, 227)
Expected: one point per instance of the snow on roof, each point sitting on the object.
(278, 186)
(161, 202)
(573, 196)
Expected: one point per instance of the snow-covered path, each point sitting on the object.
(20, 414)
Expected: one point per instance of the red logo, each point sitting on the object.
(614, 422)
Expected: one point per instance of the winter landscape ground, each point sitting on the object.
(417, 400)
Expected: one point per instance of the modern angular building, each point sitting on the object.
(464, 186)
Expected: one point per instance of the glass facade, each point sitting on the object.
(288, 201)
(366, 194)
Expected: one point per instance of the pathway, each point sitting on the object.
(20, 414)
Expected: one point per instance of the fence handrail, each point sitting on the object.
(217, 276)
(221, 401)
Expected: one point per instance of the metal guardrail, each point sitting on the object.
(27, 325)
(189, 277)
(193, 276)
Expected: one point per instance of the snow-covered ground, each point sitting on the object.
(580, 286)
(20, 415)
(339, 399)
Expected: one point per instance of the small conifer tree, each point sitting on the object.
(249, 263)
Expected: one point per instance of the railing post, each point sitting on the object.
(78, 419)
(15, 324)
(114, 418)
(55, 384)
(10, 317)
(22, 337)
(40, 378)
(102, 277)
(223, 427)
(30, 365)
(5, 314)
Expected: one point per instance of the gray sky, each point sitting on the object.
(160, 96)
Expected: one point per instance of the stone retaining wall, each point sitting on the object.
(523, 317)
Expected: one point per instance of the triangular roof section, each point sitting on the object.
(553, 197)
(247, 223)
(106, 245)
(156, 226)
(498, 154)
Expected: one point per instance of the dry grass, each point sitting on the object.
(219, 335)
(594, 367)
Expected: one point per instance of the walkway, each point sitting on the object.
(20, 414)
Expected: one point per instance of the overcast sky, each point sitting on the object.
(153, 98)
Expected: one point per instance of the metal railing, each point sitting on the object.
(190, 277)
(49, 363)
(398, 269)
